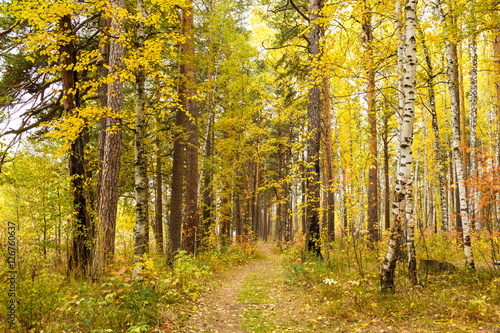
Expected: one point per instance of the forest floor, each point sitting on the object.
(255, 298)
(258, 297)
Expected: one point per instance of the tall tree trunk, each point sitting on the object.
(207, 176)
(496, 60)
(108, 194)
(373, 234)
(473, 124)
(159, 200)
(80, 250)
(330, 194)
(141, 202)
(404, 180)
(190, 229)
(256, 203)
(313, 131)
(457, 156)
(238, 218)
(387, 210)
(102, 92)
(437, 139)
(456, 93)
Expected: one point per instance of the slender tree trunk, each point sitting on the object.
(108, 195)
(313, 131)
(159, 200)
(330, 194)
(387, 210)
(457, 156)
(473, 125)
(372, 129)
(256, 205)
(404, 180)
(207, 177)
(496, 60)
(437, 139)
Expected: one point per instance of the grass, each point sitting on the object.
(348, 282)
(255, 292)
(50, 301)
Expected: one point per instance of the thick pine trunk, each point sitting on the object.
(108, 194)
(80, 250)
(457, 156)
(190, 228)
(141, 202)
(313, 131)
(404, 180)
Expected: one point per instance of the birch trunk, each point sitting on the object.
(473, 125)
(141, 203)
(437, 139)
(404, 181)
(457, 156)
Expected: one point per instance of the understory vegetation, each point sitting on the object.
(347, 285)
(50, 301)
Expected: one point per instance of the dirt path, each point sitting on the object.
(219, 309)
(255, 298)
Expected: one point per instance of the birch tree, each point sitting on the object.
(457, 156)
(437, 138)
(141, 203)
(404, 180)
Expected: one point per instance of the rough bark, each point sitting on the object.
(313, 131)
(190, 228)
(457, 156)
(387, 210)
(80, 250)
(158, 226)
(330, 194)
(108, 195)
(404, 180)
(373, 234)
(102, 93)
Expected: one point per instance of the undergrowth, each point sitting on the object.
(49, 301)
(347, 281)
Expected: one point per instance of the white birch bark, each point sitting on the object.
(400, 68)
(473, 124)
(140, 187)
(437, 138)
(404, 180)
(457, 156)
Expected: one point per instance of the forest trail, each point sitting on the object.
(255, 298)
